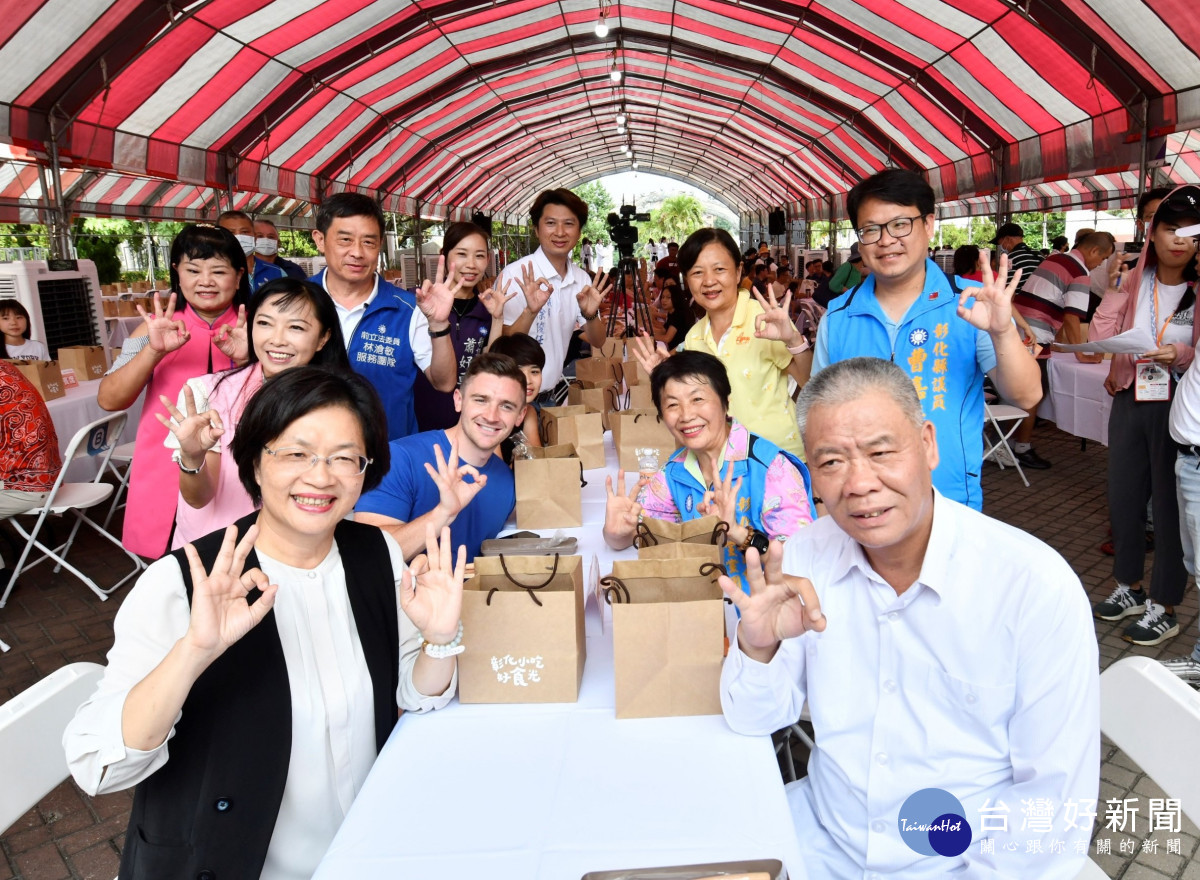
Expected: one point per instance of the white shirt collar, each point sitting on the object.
(362, 305)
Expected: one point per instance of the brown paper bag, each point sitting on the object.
(574, 424)
(668, 637)
(680, 550)
(640, 396)
(597, 372)
(603, 400)
(45, 376)
(613, 347)
(635, 429)
(634, 373)
(702, 530)
(525, 645)
(88, 361)
(548, 493)
(127, 307)
(559, 450)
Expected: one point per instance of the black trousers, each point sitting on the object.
(1141, 464)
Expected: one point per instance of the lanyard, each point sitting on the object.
(1154, 315)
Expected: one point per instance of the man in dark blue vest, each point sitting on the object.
(390, 333)
(943, 336)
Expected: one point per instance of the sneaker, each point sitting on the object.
(1184, 668)
(1121, 603)
(1153, 628)
(1030, 459)
(1003, 456)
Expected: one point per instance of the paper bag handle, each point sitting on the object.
(528, 588)
(645, 537)
(582, 481)
(720, 535)
(614, 586)
(709, 567)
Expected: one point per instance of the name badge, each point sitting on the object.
(1153, 381)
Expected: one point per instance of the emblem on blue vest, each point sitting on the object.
(687, 504)
(918, 337)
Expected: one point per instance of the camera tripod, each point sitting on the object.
(633, 301)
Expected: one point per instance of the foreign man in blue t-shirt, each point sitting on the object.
(454, 477)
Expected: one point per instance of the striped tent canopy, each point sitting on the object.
(445, 106)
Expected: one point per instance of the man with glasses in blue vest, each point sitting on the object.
(945, 333)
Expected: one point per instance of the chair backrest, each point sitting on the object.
(98, 438)
(32, 761)
(1154, 718)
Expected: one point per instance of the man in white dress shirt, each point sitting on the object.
(553, 295)
(948, 660)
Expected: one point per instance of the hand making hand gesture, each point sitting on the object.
(234, 342)
(454, 493)
(779, 606)
(166, 334)
(992, 311)
(621, 510)
(220, 615)
(721, 501)
(537, 290)
(197, 432)
(646, 351)
(495, 302)
(431, 588)
(435, 298)
(775, 322)
(593, 294)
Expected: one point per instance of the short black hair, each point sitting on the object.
(684, 365)
(699, 240)
(348, 204)
(522, 348)
(234, 215)
(560, 196)
(1151, 195)
(894, 186)
(203, 241)
(966, 259)
(294, 394)
(8, 307)
(1060, 241)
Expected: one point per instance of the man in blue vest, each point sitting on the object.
(390, 333)
(945, 333)
(239, 223)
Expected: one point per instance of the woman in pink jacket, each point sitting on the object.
(1157, 297)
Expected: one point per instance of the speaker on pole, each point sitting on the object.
(777, 223)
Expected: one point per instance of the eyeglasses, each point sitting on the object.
(296, 460)
(900, 227)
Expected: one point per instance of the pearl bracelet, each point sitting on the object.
(450, 649)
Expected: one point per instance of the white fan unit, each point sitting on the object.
(64, 304)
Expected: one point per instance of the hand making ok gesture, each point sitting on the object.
(779, 606)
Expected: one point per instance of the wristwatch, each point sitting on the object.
(756, 539)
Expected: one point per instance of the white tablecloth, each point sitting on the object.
(119, 329)
(76, 409)
(556, 790)
(1077, 402)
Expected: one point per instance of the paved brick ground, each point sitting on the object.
(51, 620)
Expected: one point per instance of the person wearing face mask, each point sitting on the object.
(242, 227)
(291, 323)
(266, 249)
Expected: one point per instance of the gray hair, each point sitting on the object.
(849, 380)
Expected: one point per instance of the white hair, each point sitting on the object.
(849, 380)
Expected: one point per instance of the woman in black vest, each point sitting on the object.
(255, 675)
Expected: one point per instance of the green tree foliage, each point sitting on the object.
(600, 205)
(676, 218)
(104, 251)
(1031, 222)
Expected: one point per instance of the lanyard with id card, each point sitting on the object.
(1153, 380)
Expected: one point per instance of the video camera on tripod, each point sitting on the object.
(623, 233)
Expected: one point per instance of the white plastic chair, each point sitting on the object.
(122, 455)
(1000, 452)
(32, 760)
(1154, 718)
(97, 439)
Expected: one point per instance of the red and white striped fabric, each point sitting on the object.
(444, 103)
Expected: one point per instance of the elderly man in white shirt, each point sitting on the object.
(937, 649)
(554, 296)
